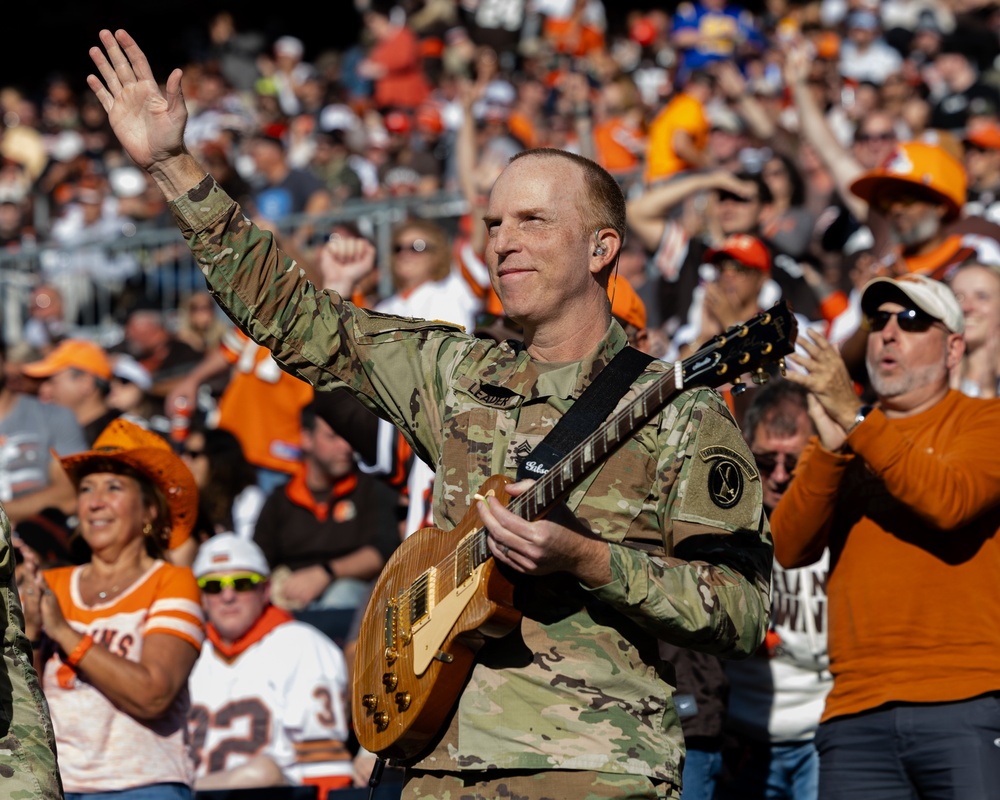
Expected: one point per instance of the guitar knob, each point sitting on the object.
(381, 720)
(760, 377)
(403, 700)
(370, 702)
(389, 680)
(391, 654)
(738, 387)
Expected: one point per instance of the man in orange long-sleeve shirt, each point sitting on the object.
(906, 494)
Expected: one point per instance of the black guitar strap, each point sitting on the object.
(593, 406)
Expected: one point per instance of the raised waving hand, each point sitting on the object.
(148, 122)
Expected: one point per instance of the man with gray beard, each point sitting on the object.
(915, 197)
(905, 493)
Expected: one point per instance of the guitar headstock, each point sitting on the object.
(765, 338)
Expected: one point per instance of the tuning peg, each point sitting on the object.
(781, 366)
(738, 387)
(760, 377)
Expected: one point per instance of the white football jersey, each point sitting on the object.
(282, 697)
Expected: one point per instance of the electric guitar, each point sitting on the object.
(440, 595)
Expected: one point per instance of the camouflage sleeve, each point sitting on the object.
(315, 334)
(710, 592)
(28, 755)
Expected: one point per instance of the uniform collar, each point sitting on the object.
(515, 377)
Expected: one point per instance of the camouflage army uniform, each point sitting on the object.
(580, 685)
(27, 744)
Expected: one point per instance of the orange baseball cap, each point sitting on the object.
(984, 134)
(71, 354)
(748, 250)
(626, 304)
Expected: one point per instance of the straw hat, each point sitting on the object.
(124, 442)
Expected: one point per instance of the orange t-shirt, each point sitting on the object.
(616, 144)
(684, 113)
(101, 748)
(912, 523)
(261, 405)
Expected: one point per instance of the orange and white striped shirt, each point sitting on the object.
(101, 748)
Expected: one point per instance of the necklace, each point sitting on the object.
(104, 595)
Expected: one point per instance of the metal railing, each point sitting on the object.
(163, 270)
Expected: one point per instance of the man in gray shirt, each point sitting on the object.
(30, 479)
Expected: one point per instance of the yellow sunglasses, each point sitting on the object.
(240, 582)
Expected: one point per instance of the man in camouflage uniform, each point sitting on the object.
(28, 768)
(664, 540)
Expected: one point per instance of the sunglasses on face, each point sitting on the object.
(875, 137)
(240, 582)
(416, 246)
(909, 319)
(736, 198)
(730, 265)
(768, 463)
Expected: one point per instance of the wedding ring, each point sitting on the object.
(506, 550)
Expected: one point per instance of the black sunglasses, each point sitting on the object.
(910, 320)
(889, 136)
(736, 198)
(416, 246)
(769, 463)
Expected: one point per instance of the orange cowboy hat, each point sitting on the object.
(124, 442)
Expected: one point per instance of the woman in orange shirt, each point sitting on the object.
(116, 638)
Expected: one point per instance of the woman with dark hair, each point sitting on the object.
(426, 284)
(786, 222)
(115, 639)
(230, 499)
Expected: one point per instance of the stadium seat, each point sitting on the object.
(334, 622)
(263, 793)
(385, 791)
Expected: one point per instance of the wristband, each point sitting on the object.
(80, 650)
(329, 570)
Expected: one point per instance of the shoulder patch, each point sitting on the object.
(721, 451)
(375, 322)
(725, 482)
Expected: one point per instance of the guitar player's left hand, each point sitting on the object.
(546, 545)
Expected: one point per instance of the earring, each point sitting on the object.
(147, 529)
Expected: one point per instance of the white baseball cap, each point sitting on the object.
(929, 295)
(227, 552)
(128, 369)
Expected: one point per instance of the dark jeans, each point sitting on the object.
(939, 751)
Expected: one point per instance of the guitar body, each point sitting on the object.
(431, 609)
